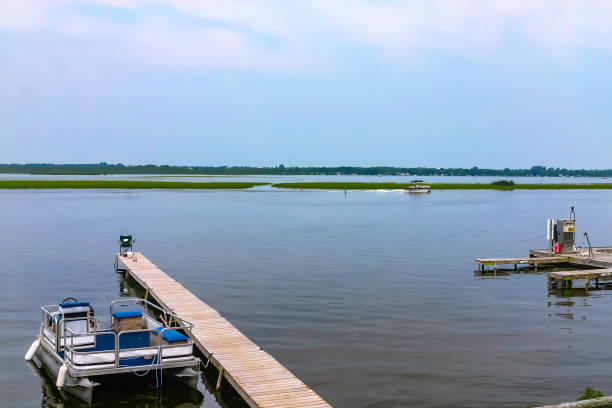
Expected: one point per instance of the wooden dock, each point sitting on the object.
(600, 257)
(259, 379)
(564, 279)
(482, 262)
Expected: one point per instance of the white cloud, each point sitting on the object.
(301, 34)
(469, 25)
(20, 16)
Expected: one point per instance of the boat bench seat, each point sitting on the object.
(168, 336)
(127, 320)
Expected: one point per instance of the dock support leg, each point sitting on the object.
(220, 379)
(536, 266)
(515, 267)
(586, 283)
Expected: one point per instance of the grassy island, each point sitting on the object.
(230, 185)
(442, 186)
(123, 184)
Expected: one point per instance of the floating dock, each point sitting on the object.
(597, 264)
(564, 280)
(484, 262)
(255, 375)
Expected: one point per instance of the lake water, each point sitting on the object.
(370, 298)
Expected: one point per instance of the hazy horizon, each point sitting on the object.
(287, 165)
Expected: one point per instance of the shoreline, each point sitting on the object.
(230, 185)
(124, 184)
(441, 186)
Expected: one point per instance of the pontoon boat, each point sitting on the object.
(80, 356)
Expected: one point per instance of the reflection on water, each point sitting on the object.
(369, 298)
(50, 394)
(133, 392)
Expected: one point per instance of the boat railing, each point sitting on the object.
(118, 352)
(51, 317)
(168, 318)
(54, 329)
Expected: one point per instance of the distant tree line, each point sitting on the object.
(105, 168)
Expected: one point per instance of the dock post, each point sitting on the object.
(515, 267)
(587, 280)
(220, 379)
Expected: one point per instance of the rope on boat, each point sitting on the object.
(590, 403)
(207, 362)
(159, 380)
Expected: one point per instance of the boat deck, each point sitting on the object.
(259, 378)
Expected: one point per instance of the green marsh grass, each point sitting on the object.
(122, 184)
(590, 393)
(441, 186)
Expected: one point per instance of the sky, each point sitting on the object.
(435, 83)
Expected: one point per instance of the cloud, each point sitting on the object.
(469, 26)
(21, 16)
(301, 35)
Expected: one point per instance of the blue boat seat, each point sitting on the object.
(125, 314)
(171, 336)
(74, 309)
(68, 305)
(127, 320)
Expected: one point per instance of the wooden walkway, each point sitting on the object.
(517, 261)
(565, 278)
(254, 374)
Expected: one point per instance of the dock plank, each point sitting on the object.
(581, 274)
(526, 260)
(257, 376)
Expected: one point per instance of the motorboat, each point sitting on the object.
(80, 356)
(417, 186)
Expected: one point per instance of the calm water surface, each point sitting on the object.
(370, 298)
